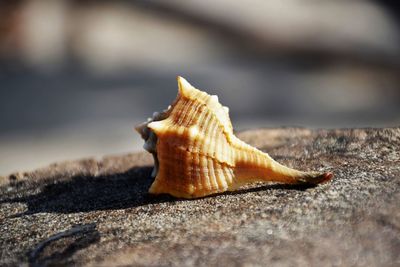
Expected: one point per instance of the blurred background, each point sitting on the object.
(76, 76)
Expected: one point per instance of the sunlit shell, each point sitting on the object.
(196, 153)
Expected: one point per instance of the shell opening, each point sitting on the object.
(150, 137)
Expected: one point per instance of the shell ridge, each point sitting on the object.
(216, 124)
(213, 139)
(201, 139)
(183, 114)
(228, 132)
(223, 185)
(211, 174)
(199, 182)
(207, 156)
(214, 105)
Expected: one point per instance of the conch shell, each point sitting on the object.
(197, 154)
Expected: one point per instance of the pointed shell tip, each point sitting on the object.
(184, 86)
(326, 177)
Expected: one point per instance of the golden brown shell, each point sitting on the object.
(196, 153)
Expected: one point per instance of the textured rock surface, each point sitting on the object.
(111, 220)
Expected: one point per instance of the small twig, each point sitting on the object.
(70, 232)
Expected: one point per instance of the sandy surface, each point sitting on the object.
(98, 213)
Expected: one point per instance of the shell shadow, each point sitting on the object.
(295, 187)
(105, 192)
(91, 193)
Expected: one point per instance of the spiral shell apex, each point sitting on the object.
(197, 154)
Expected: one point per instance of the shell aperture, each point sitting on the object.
(197, 154)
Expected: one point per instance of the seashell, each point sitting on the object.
(197, 154)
